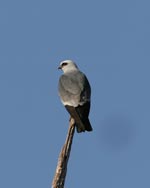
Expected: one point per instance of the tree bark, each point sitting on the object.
(61, 170)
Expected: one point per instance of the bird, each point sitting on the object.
(75, 93)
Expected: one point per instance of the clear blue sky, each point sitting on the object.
(110, 42)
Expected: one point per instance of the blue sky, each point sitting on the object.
(110, 42)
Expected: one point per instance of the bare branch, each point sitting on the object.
(61, 170)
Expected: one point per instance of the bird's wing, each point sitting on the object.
(74, 88)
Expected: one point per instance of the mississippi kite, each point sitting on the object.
(75, 92)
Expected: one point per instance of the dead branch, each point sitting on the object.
(61, 170)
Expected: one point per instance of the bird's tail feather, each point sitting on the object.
(87, 125)
(82, 124)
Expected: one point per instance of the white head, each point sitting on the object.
(68, 66)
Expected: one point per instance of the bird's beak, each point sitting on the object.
(59, 67)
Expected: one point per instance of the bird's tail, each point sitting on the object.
(86, 126)
(82, 123)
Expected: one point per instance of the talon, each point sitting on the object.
(72, 121)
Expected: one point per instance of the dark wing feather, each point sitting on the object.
(83, 111)
(80, 115)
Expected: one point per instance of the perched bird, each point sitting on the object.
(75, 92)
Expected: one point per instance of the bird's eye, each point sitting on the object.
(64, 64)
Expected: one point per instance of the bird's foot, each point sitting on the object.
(72, 121)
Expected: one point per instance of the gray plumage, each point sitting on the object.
(75, 92)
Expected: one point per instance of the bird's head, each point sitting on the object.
(68, 66)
